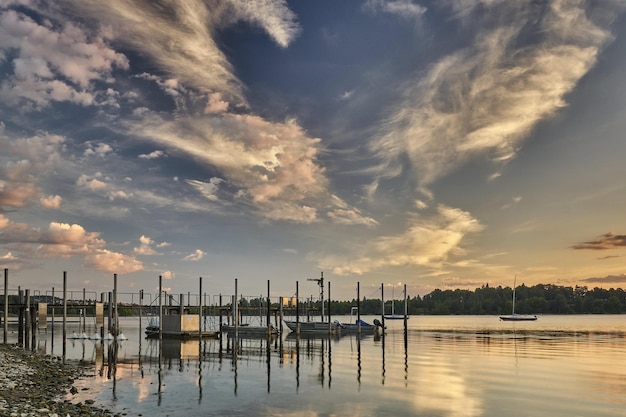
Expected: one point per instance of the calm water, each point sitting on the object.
(465, 366)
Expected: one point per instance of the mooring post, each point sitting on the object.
(64, 314)
(382, 298)
(109, 311)
(84, 313)
(160, 312)
(297, 310)
(20, 316)
(268, 306)
(329, 321)
(236, 311)
(281, 302)
(53, 303)
(406, 312)
(116, 322)
(406, 318)
(358, 307)
(27, 319)
(140, 309)
(33, 327)
(220, 313)
(200, 309)
(102, 300)
(6, 304)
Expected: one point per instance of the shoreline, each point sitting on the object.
(32, 384)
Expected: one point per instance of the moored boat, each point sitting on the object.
(312, 326)
(517, 317)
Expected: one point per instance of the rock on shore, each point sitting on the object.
(35, 385)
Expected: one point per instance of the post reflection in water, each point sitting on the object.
(358, 349)
(421, 373)
(112, 365)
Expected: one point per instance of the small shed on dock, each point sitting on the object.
(180, 323)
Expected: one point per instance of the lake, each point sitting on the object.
(455, 366)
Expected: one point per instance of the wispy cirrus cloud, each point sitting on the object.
(179, 36)
(486, 98)
(402, 8)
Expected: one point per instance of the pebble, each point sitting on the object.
(35, 385)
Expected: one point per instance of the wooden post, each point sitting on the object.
(160, 311)
(297, 310)
(53, 304)
(115, 314)
(235, 311)
(200, 310)
(268, 306)
(358, 307)
(64, 314)
(64, 305)
(84, 313)
(382, 296)
(281, 301)
(329, 322)
(20, 316)
(6, 304)
(27, 326)
(110, 312)
(140, 310)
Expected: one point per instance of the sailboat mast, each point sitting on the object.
(514, 286)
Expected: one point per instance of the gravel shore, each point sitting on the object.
(36, 385)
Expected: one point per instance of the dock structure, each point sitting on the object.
(171, 317)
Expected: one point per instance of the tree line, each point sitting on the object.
(537, 299)
(486, 300)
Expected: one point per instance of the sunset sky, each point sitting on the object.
(437, 144)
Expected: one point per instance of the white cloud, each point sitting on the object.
(207, 189)
(168, 275)
(51, 201)
(26, 160)
(195, 256)
(100, 149)
(402, 8)
(427, 241)
(153, 155)
(62, 240)
(91, 183)
(346, 95)
(177, 36)
(272, 15)
(145, 247)
(273, 165)
(51, 65)
(215, 104)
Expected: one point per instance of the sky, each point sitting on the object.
(434, 144)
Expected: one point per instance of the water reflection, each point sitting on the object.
(444, 372)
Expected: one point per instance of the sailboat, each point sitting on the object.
(393, 315)
(514, 316)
